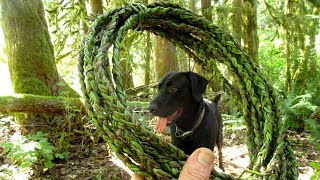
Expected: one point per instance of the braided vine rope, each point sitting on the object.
(141, 150)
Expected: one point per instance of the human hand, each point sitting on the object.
(198, 165)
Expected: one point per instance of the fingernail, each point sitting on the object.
(205, 157)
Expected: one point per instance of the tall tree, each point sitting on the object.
(96, 7)
(236, 19)
(165, 56)
(147, 69)
(30, 52)
(192, 8)
(206, 9)
(305, 28)
(251, 39)
(192, 5)
(147, 73)
(311, 48)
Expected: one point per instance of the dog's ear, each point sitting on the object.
(165, 78)
(198, 85)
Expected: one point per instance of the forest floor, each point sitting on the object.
(87, 162)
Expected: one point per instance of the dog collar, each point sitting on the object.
(179, 133)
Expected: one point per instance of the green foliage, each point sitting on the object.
(31, 149)
(316, 167)
(272, 67)
(232, 122)
(316, 174)
(298, 112)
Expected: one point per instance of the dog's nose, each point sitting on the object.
(152, 108)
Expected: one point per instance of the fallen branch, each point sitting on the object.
(39, 104)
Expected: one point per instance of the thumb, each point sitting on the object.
(198, 165)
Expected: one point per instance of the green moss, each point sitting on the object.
(30, 52)
(31, 86)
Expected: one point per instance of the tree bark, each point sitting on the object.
(307, 66)
(206, 9)
(287, 83)
(192, 8)
(237, 20)
(312, 55)
(251, 39)
(192, 5)
(164, 56)
(30, 52)
(147, 71)
(96, 7)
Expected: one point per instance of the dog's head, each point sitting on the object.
(175, 91)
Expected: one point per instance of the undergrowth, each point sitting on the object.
(299, 114)
(33, 149)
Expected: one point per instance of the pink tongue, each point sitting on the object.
(161, 124)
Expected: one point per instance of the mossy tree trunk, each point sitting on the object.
(307, 64)
(30, 53)
(237, 20)
(288, 61)
(206, 9)
(96, 7)
(311, 48)
(251, 39)
(29, 49)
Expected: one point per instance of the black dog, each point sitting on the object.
(194, 122)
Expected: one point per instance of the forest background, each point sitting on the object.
(281, 37)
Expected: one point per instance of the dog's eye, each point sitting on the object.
(172, 89)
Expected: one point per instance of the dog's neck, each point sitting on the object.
(182, 131)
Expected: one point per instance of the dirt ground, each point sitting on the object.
(86, 162)
(98, 163)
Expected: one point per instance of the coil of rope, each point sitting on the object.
(136, 145)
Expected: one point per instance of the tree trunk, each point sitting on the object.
(30, 52)
(192, 5)
(222, 15)
(96, 7)
(287, 83)
(307, 52)
(237, 20)
(187, 62)
(206, 9)
(164, 56)
(83, 24)
(147, 70)
(251, 39)
(312, 55)
(125, 67)
(192, 8)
